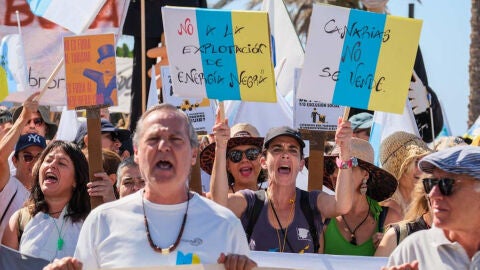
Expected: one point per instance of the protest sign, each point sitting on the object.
(201, 111)
(359, 59)
(90, 70)
(43, 41)
(219, 54)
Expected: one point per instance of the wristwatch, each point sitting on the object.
(352, 162)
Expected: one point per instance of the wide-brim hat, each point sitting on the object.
(240, 134)
(399, 149)
(45, 114)
(381, 184)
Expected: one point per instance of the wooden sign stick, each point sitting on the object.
(95, 162)
(315, 160)
(50, 79)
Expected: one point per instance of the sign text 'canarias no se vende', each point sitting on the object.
(359, 59)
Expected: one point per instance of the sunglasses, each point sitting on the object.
(37, 121)
(27, 158)
(444, 184)
(236, 155)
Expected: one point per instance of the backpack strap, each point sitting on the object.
(308, 213)
(381, 219)
(255, 212)
(23, 218)
(403, 231)
(8, 206)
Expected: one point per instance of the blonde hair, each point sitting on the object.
(419, 204)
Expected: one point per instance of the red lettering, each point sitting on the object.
(26, 16)
(107, 16)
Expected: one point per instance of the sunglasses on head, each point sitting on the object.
(444, 184)
(236, 155)
(27, 158)
(36, 121)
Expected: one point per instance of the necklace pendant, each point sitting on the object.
(60, 243)
(165, 251)
(353, 241)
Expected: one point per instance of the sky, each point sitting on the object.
(445, 44)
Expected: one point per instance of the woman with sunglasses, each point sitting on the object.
(358, 232)
(399, 155)
(49, 225)
(417, 217)
(239, 155)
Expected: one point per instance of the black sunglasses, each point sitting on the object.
(444, 184)
(236, 155)
(27, 158)
(37, 121)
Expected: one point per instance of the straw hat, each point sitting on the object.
(381, 184)
(240, 134)
(399, 149)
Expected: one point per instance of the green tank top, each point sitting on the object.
(336, 244)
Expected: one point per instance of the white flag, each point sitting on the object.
(13, 64)
(385, 124)
(285, 44)
(75, 16)
(153, 92)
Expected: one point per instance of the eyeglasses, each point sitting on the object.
(37, 121)
(237, 155)
(130, 183)
(27, 158)
(444, 184)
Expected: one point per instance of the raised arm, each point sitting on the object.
(219, 180)
(341, 202)
(7, 144)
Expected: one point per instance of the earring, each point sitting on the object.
(363, 187)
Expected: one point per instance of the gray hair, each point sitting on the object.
(166, 107)
(129, 163)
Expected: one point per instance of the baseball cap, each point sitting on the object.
(30, 139)
(106, 126)
(282, 131)
(361, 121)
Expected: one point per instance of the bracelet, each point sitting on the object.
(352, 162)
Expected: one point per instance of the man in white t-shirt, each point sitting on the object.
(164, 223)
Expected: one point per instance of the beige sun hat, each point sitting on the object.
(240, 134)
(399, 149)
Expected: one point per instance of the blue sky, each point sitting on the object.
(445, 44)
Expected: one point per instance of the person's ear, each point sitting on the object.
(194, 155)
(85, 139)
(15, 161)
(302, 164)
(263, 162)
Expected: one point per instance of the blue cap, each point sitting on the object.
(30, 139)
(361, 121)
(463, 159)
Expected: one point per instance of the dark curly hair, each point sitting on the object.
(79, 204)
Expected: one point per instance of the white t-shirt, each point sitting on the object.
(114, 234)
(6, 195)
(41, 234)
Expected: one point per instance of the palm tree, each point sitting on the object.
(474, 66)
